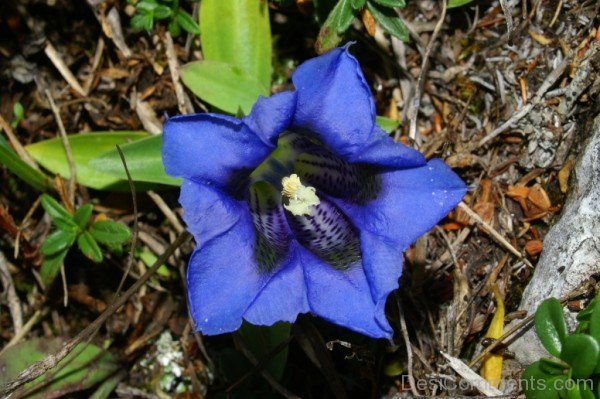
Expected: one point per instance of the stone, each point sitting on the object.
(571, 253)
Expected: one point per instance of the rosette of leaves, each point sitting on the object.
(77, 227)
(574, 370)
(150, 11)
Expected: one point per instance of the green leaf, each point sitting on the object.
(58, 241)
(337, 22)
(85, 146)
(550, 325)
(148, 6)
(144, 161)
(551, 366)
(142, 21)
(188, 24)
(358, 4)
(581, 352)
(392, 3)
(162, 12)
(458, 3)
(51, 266)
(174, 28)
(238, 33)
(109, 232)
(23, 170)
(538, 384)
(389, 20)
(18, 114)
(82, 215)
(595, 320)
(59, 215)
(261, 340)
(225, 86)
(88, 245)
(388, 125)
(86, 366)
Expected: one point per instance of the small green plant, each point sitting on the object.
(574, 370)
(77, 228)
(150, 11)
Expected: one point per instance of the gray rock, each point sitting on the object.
(571, 252)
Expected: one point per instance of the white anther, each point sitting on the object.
(301, 198)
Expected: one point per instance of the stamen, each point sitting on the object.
(302, 199)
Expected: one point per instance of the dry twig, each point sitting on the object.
(14, 304)
(64, 70)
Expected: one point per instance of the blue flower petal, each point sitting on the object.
(343, 297)
(223, 278)
(334, 102)
(382, 263)
(207, 211)
(212, 148)
(383, 151)
(271, 116)
(410, 203)
(284, 295)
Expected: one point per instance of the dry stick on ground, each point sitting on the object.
(411, 378)
(67, 147)
(41, 367)
(576, 292)
(262, 363)
(524, 110)
(183, 102)
(16, 144)
(136, 229)
(169, 214)
(23, 223)
(415, 103)
(14, 305)
(64, 70)
(267, 376)
(494, 233)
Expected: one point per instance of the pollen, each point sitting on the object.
(301, 198)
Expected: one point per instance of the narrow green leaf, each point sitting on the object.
(595, 320)
(58, 241)
(82, 215)
(358, 4)
(86, 366)
(29, 175)
(188, 24)
(393, 3)
(538, 384)
(261, 340)
(144, 161)
(389, 20)
(174, 28)
(85, 146)
(388, 125)
(458, 3)
(225, 86)
(88, 245)
(59, 215)
(581, 352)
(162, 12)
(238, 33)
(51, 266)
(109, 232)
(337, 22)
(550, 325)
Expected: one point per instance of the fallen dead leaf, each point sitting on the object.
(564, 173)
(533, 247)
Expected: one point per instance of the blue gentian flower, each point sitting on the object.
(304, 205)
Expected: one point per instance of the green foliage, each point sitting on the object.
(458, 3)
(85, 147)
(575, 370)
(80, 228)
(343, 13)
(86, 366)
(236, 44)
(150, 11)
